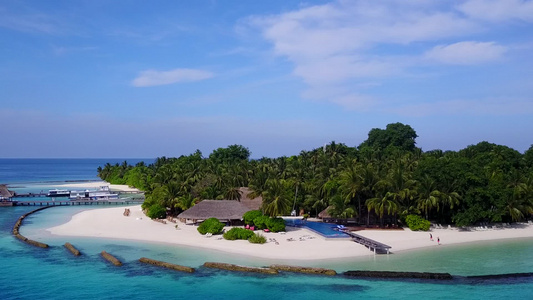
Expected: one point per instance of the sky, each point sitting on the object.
(145, 79)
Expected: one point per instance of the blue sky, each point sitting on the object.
(164, 78)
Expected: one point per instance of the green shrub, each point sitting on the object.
(211, 225)
(238, 234)
(257, 239)
(261, 222)
(156, 211)
(416, 223)
(276, 224)
(249, 216)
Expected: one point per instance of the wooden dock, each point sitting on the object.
(77, 202)
(375, 246)
(43, 194)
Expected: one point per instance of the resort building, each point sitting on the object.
(230, 211)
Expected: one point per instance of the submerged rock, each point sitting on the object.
(403, 275)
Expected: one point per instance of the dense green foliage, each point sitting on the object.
(249, 216)
(275, 224)
(237, 233)
(156, 212)
(261, 222)
(211, 225)
(382, 180)
(416, 223)
(257, 239)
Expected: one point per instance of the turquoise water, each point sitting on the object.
(27, 272)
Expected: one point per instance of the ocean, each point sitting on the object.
(27, 272)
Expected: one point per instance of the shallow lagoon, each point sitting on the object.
(55, 274)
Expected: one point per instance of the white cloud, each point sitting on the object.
(498, 10)
(153, 78)
(343, 42)
(466, 53)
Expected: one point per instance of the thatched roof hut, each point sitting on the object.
(324, 214)
(220, 209)
(4, 192)
(251, 203)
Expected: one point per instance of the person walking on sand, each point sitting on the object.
(430, 237)
(438, 240)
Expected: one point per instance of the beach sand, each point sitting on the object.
(307, 245)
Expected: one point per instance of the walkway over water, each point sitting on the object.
(76, 202)
(375, 246)
(43, 194)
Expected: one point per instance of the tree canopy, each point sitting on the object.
(382, 181)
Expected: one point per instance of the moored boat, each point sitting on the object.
(103, 193)
(58, 193)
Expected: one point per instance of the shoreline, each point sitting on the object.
(306, 244)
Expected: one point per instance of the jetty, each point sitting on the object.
(44, 194)
(77, 202)
(377, 247)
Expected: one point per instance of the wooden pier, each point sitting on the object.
(77, 202)
(43, 194)
(30, 195)
(375, 246)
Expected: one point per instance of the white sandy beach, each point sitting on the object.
(307, 245)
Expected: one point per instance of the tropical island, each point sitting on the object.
(386, 190)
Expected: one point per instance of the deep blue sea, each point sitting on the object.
(27, 272)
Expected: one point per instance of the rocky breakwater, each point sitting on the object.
(237, 268)
(110, 258)
(19, 236)
(399, 275)
(72, 249)
(166, 265)
(305, 270)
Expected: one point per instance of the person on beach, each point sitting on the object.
(438, 240)
(430, 237)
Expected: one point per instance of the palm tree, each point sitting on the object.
(400, 186)
(380, 205)
(514, 207)
(233, 193)
(340, 208)
(428, 195)
(350, 183)
(185, 202)
(277, 197)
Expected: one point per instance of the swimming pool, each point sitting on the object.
(324, 229)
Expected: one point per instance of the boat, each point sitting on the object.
(58, 193)
(103, 193)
